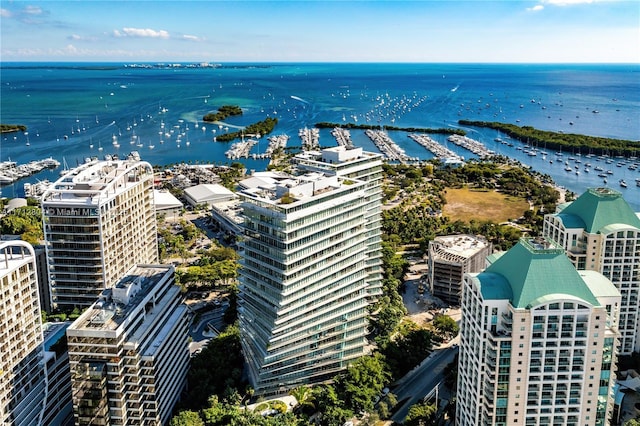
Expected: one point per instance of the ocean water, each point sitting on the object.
(75, 111)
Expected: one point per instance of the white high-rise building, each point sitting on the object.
(537, 341)
(355, 163)
(600, 232)
(129, 352)
(99, 221)
(23, 386)
(304, 291)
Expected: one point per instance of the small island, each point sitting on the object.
(223, 112)
(8, 128)
(579, 144)
(260, 128)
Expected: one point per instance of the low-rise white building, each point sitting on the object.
(209, 193)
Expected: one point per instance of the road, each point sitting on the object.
(422, 380)
(198, 332)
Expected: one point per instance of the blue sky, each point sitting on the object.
(600, 31)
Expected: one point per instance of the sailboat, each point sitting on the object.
(65, 167)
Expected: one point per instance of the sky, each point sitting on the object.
(226, 31)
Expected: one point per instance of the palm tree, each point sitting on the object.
(304, 397)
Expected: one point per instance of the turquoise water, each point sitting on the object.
(73, 110)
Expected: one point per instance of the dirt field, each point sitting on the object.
(465, 204)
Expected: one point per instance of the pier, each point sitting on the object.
(472, 145)
(442, 153)
(343, 137)
(240, 149)
(10, 171)
(275, 142)
(310, 138)
(388, 147)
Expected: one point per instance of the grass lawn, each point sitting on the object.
(465, 204)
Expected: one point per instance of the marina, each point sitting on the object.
(310, 138)
(440, 152)
(10, 171)
(472, 145)
(388, 147)
(163, 119)
(240, 149)
(343, 137)
(278, 142)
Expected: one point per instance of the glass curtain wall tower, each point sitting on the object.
(304, 290)
(366, 166)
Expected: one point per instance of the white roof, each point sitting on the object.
(208, 192)
(165, 200)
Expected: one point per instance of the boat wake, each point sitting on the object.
(455, 88)
(297, 98)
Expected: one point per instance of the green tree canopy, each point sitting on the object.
(422, 414)
(362, 382)
(186, 418)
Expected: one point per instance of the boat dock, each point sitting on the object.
(388, 147)
(10, 171)
(472, 145)
(310, 138)
(343, 137)
(275, 142)
(240, 149)
(442, 153)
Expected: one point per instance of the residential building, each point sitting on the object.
(128, 352)
(303, 293)
(99, 221)
(449, 258)
(600, 232)
(22, 368)
(58, 409)
(366, 166)
(537, 341)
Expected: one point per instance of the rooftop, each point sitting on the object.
(117, 303)
(291, 189)
(531, 272)
(94, 181)
(14, 254)
(458, 247)
(597, 208)
(208, 191)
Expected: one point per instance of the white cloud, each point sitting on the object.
(32, 10)
(141, 32)
(571, 2)
(5, 13)
(77, 37)
(535, 8)
(191, 37)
